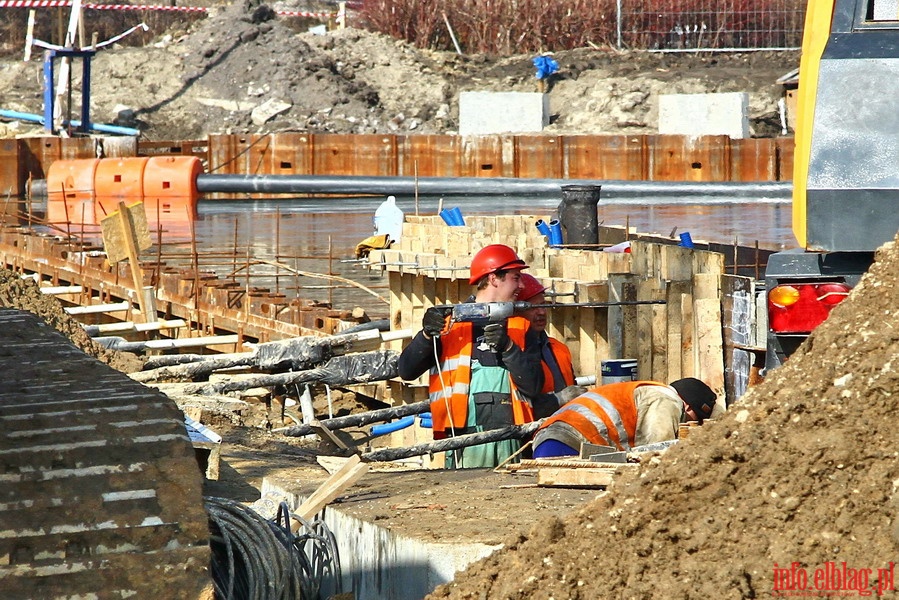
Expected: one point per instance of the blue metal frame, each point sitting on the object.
(49, 96)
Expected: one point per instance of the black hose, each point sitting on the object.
(257, 559)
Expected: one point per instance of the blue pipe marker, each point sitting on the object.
(555, 233)
(391, 427)
(543, 228)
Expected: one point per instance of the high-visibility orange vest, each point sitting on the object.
(449, 384)
(563, 358)
(606, 415)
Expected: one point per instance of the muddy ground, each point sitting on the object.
(225, 71)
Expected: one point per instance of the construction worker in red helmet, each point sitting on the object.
(482, 377)
(558, 371)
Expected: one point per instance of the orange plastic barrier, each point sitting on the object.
(70, 191)
(119, 180)
(170, 187)
(86, 190)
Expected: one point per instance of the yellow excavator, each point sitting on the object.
(846, 170)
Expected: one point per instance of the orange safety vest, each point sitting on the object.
(563, 358)
(606, 415)
(449, 384)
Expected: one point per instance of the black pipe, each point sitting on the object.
(578, 214)
(482, 186)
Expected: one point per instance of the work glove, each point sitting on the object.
(496, 337)
(434, 321)
(569, 393)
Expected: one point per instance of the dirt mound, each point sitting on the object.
(24, 294)
(242, 70)
(801, 475)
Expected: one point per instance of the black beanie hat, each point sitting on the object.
(697, 395)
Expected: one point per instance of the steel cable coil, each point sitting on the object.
(257, 559)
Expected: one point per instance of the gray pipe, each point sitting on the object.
(484, 186)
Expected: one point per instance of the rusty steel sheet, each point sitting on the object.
(487, 156)
(12, 169)
(539, 157)
(366, 154)
(269, 154)
(786, 147)
(431, 155)
(753, 159)
(198, 148)
(41, 152)
(605, 157)
(102, 491)
(682, 158)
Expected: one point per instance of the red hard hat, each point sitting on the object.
(530, 287)
(493, 258)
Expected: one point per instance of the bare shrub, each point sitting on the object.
(507, 27)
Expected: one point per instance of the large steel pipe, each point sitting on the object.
(483, 186)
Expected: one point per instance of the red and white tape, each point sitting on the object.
(68, 3)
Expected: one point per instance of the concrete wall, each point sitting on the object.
(483, 113)
(705, 114)
(377, 563)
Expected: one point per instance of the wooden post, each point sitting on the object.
(137, 275)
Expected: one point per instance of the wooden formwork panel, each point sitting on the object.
(428, 155)
(753, 159)
(685, 158)
(487, 156)
(738, 316)
(604, 157)
(539, 157)
(369, 154)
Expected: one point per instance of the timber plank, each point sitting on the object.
(644, 321)
(576, 477)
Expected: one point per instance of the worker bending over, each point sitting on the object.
(482, 376)
(558, 371)
(624, 415)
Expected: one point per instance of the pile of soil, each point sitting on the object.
(210, 79)
(24, 294)
(800, 475)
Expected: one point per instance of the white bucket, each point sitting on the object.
(618, 370)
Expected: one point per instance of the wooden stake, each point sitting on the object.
(347, 475)
(137, 276)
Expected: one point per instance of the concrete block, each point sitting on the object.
(705, 114)
(482, 113)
